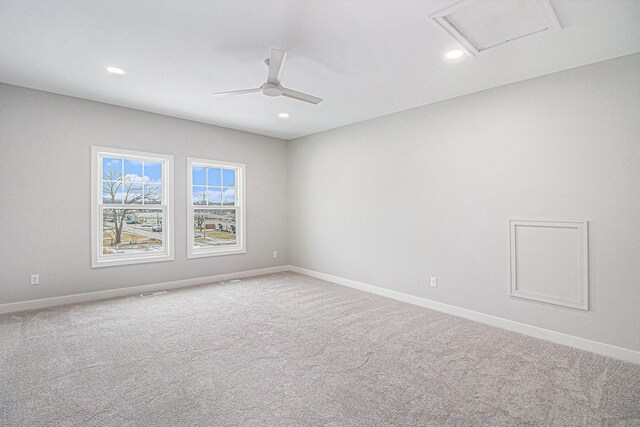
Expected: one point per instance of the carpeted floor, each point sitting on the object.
(290, 350)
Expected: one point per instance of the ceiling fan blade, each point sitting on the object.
(300, 96)
(237, 92)
(276, 64)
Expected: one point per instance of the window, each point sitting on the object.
(215, 208)
(132, 207)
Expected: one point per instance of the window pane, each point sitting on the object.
(229, 196)
(199, 176)
(152, 194)
(214, 195)
(214, 227)
(130, 231)
(199, 195)
(228, 177)
(153, 172)
(111, 169)
(132, 192)
(133, 170)
(111, 192)
(214, 178)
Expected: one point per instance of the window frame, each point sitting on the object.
(240, 207)
(98, 259)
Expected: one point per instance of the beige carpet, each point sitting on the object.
(289, 350)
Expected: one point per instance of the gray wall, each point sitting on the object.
(45, 160)
(428, 192)
(389, 202)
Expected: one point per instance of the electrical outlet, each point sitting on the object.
(275, 254)
(35, 279)
(434, 282)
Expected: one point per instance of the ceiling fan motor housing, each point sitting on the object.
(272, 89)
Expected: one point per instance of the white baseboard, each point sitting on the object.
(119, 292)
(569, 340)
(534, 331)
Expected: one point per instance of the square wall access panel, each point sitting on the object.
(550, 262)
(479, 25)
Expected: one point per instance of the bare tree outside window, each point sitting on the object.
(126, 191)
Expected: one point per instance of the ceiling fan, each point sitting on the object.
(272, 87)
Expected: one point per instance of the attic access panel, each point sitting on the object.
(483, 24)
(550, 262)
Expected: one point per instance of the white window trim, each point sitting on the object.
(241, 217)
(97, 259)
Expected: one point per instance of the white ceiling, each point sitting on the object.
(365, 58)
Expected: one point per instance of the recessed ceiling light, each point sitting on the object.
(455, 54)
(283, 115)
(115, 70)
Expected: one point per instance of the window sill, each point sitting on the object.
(132, 260)
(218, 252)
